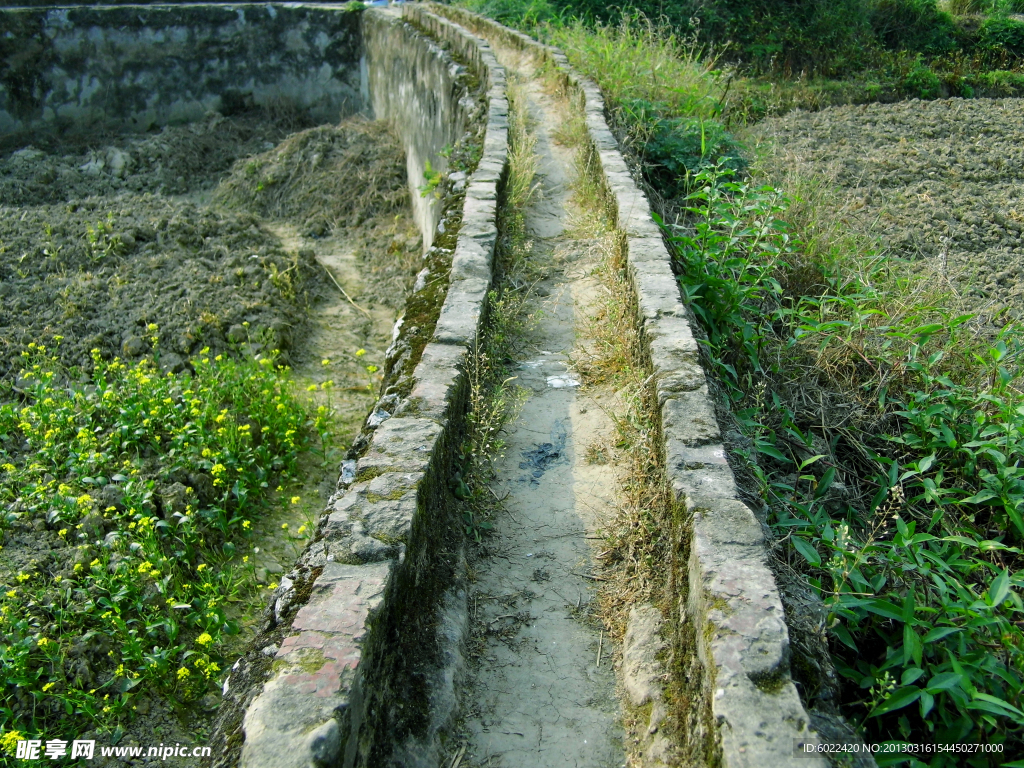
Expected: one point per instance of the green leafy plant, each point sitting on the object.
(676, 149)
(148, 483)
(922, 581)
(432, 180)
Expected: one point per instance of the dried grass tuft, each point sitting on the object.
(324, 178)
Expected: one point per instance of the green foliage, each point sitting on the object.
(922, 582)
(675, 149)
(917, 26)
(789, 37)
(431, 180)
(520, 13)
(921, 82)
(636, 60)
(727, 265)
(1002, 34)
(140, 582)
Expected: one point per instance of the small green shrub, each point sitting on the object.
(1003, 35)
(921, 82)
(912, 25)
(794, 37)
(524, 13)
(675, 149)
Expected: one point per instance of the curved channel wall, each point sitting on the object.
(359, 658)
(724, 636)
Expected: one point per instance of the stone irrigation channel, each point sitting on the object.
(362, 657)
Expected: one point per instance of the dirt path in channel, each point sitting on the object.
(542, 688)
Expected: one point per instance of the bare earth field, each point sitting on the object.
(940, 182)
(223, 235)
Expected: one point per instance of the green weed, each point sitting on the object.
(145, 486)
(910, 534)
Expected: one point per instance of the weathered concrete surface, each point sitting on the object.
(293, 723)
(412, 86)
(729, 594)
(367, 671)
(135, 67)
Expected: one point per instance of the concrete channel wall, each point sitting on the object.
(367, 668)
(719, 581)
(136, 67)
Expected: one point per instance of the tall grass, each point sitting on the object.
(639, 60)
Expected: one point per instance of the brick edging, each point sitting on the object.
(382, 537)
(733, 600)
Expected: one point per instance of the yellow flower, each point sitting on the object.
(302, 530)
(201, 567)
(23, 577)
(94, 563)
(325, 361)
(62, 532)
(42, 642)
(284, 526)
(183, 673)
(296, 499)
(151, 327)
(360, 352)
(9, 741)
(311, 388)
(12, 593)
(48, 686)
(272, 585)
(204, 639)
(246, 525)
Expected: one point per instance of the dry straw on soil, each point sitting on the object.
(325, 177)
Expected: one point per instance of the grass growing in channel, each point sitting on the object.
(494, 398)
(129, 499)
(883, 429)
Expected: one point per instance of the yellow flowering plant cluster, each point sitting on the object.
(140, 581)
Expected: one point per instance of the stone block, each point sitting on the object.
(701, 486)
(436, 380)
(289, 724)
(728, 522)
(688, 420)
(657, 290)
(470, 260)
(460, 315)
(382, 509)
(647, 249)
(642, 672)
(400, 444)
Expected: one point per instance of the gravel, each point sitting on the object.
(939, 182)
